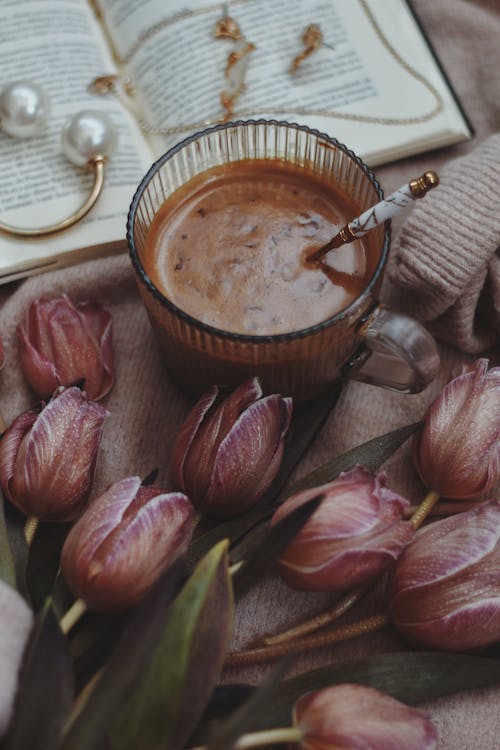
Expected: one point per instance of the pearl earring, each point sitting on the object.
(24, 109)
(88, 139)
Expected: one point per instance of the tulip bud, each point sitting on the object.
(47, 457)
(63, 345)
(444, 591)
(354, 534)
(229, 450)
(357, 717)
(123, 542)
(16, 621)
(457, 453)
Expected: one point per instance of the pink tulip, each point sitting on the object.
(357, 717)
(47, 457)
(457, 453)
(2, 354)
(229, 449)
(123, 542)
(352, 537)
(63, 344)
(16, 621)
(444, 591)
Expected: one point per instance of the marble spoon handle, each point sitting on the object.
(375, 216)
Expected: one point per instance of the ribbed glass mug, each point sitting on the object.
(364, 341)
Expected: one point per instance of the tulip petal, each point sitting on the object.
(102, 516)
(187, 434)
(357, 717)
(63, 344)
(467, 539)
(75, 349)
(355, 533)
(210, 433)
(340, 566)
(111, 563)
(355, 498)
(473, 626)
(457, 453)
(9, 447)
(40, 372)
(16, 621)
(248, 457)
(444, 591)
(100, 323)
(56, 459)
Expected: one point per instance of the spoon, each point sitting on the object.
(375, 216)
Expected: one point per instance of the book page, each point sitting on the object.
(59, 46)
(360, 88)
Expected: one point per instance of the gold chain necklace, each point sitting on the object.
(108, 83)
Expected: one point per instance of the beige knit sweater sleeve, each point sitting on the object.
(448, 260)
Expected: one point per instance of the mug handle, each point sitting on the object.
(397, 353)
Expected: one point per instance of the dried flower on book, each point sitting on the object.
(230, 447)
(48, 456)
(237, 62)
(124, 541)
(63, 344)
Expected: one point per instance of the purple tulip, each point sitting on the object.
(357, 717)
(457, 453)
(47, 457)
(124, 541)
(350, 539)
(63, 344)
(16, 621)
(444, 591)
(229, 449)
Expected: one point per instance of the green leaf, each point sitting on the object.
(133, 651)
(173, 691)
(15, 521)
(272, 544)
(46, 688)
(91, 642)
(242, 719)
(307, 421)
(7, 565)
(411, 677)
(371, 454)
(43, 560)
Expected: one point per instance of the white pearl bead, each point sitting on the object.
(24, 109)
(87, 135)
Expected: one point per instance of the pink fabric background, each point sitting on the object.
(147, 409)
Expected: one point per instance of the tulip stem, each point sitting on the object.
(300, 645)
(265, 737)
(71, 617)
(30, 528)
(424, 509)
(324, 618)
(449, 508)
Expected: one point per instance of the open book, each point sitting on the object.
(375, 85)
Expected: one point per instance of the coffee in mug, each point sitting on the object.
(218, 233)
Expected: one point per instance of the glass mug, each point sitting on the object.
(365, 341)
